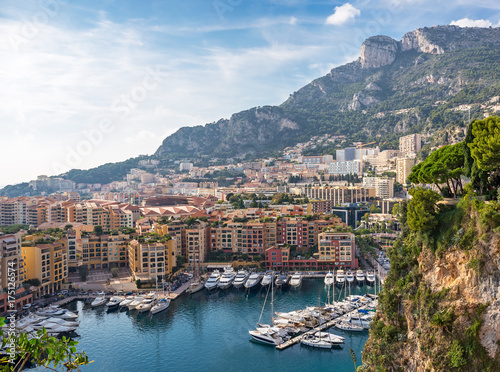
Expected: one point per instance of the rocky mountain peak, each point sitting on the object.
(378, 51)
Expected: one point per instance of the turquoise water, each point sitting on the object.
(208, 332)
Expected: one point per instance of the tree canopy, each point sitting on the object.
(422, 209)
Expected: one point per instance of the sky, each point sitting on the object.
(83, 83)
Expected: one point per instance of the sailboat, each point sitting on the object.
(269, 334)
(198, 281)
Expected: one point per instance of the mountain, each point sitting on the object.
(394, 88)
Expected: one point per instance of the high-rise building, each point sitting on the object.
(403, 168)
(384, 186)
(410, 144)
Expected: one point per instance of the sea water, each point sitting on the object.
(208, 331)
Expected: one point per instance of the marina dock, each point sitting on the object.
(321, 327)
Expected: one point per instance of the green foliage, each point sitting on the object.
(456, 355)
(115, 271)
(33, 282)
(45, 351)
(485, 147)
(422, 210)
(12, 229)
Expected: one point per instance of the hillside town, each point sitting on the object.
(274, 215)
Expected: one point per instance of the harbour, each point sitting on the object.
(209, 331)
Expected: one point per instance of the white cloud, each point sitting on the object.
(293, 20)
(466, 22)
(343, 14)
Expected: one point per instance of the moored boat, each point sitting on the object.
(253, 280)
(241, 278)
(340, 278)
(99, 300)
(160, 306)
(370, 278)
(360, 276)
(296, 280)
(329, 279)
(213, 280)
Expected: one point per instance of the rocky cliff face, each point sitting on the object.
(448, 317)
(378, 51)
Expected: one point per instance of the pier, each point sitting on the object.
(319, 328)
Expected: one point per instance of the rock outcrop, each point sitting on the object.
(378, 51)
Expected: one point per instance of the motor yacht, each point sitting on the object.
(135, 302)
(340, 278)
(145, 305)
(360, 276)
(314, 341)
(348, 325)
(58, 313)
(126, 301)
(282, 280)
(349, 277)
(267, 278)
(114, 302)
(227, 278)
(269, 335)
(213, 280)
(296, 280)
(99, 300)
(241, 278)
(161, 305)
(370, 278)
(253, 280)
(329, 279)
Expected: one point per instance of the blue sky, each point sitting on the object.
(83, 83)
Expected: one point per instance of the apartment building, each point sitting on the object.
(148, 260)
(410, 144)
(384, 186)
(48, 263)
(339, 194)
(103, 251)
(336, 251)
(403, 168)
(345, 167)
(11, 261)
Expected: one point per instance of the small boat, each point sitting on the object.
(329, 279)
(114, 302)
(253, 280)
(267, 278)
(213, 280)
(161, 305)
(135, 302)
(99, 300)
(241, 278)
(370, 278)
(349, 277)
(360, 276)
(296, 280)
(59, 313)
(330, 337)
(281, 280)
(340, 278)
(313, 341)
(227, 278)
(145, 305)
(196, 286)
(348, 325)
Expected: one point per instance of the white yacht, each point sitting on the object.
(161, 305)
(52, 328)
(267, 278)
(329, 279)
(227, 279)
(340, 278)
(135, 302)
(59, 313)
(348, 325)
(360, 276)
(241, 278)
(196, 286)
(253, 280)
(330, 337)
(126, 301)
(314, 341)
(370, 278)
(361, 320)
(296, 280)
(213, 280)
(145, 305)
(114, 302)
(99, 300)
(349, 277)
(269, 335)
(282, 280)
